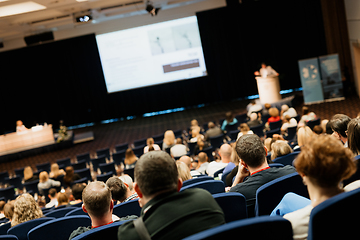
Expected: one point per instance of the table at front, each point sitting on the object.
(38, 136)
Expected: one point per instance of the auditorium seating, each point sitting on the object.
(84, 173)
(83, 156)
(4, 228)
(63, 163)
(43, 167)
(107, 167)
(58, 229)
(32, 187)
(312, 123)
(209, 152)
(110, 231)
(291, 131)
(220, 171)
(140, 143)
(275, 125)
(96, 161)
(104, 177)
(21, 230)
(81, 180)
(270, 194)
(197, 179)
(131, 207)
(258, 130)
(213, 186)
(121, 147)
(138, 151)
(270, 133)
(233, 205)
(58, 213)
(76, 211)
(8, 237)
(287, 159)
(217, 141)
(119, 157)
(264, 227)
(14, 181)
(79, 165)
(103, 152)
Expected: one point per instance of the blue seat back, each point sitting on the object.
(287, 159)
(258, 130)
(130, 172)
(217, 141)
(8, 193)
(58, 229)
(121, 147)
(43, 167)
(8, 237)
(140, 143)
(110, 231)
(312, 123)
(119, 157)
(96, 161)
(198, 179)
(63, 163)
(83, 156)
(84, 173)
(76, 211)
(269, 134)
(21, 230)
(131, 207)
(104, 177)
(58, 213)
(220, 171)
(270, 194)
(107, 167)
(103, 151)
(264, 227)
(233, 205)
(4, 228)
(291, 131)
(213, 186)
(79, 165)
(275, 125)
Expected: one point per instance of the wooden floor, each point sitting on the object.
(111, 134)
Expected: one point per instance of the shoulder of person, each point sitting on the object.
(79, 231)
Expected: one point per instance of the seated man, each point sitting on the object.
(166, 212)
(98, 204)
(253, 164)
(53, 198)
(77, 190)
(225, 154)
(120, 190)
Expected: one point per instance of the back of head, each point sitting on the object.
(2, 204)
(129, 153)
(156, 172)
(325, 162)
(305, 110)
(229, 116)
(353, 133)
(169, 137)
(225, 151)
(118, 188)
(211, 125)
(183, 171)
(267, 106)
(274, 112)
(52, 192)
(253, 116)
(284, 107)
(150, 141)
(339, 124)
(251, 150)
(62, 199)
(77, 190)
(128, 180)
(25, 209)
(43, 176)
(202, 157)
(178, 141)
(244, 128)
(280, 148)
(304, 135)
(97, 199)
(318, 129)
(28, 172)
(187, 160)
(9, 209)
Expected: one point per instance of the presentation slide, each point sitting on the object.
(152, 54)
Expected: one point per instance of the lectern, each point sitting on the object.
(269, 89)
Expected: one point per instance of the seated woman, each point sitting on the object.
(55, 172)
(183, 171)
(62, 199)
(322, 166)
(306, 116)
(70, 176)
(149, 143)
(45, 182)
(25, 209)
(229, 120)
(169, 140)
(304, 136)
(244, 129)
(288, 122)
(280, 148)
(29, 175)
(274, 117)
(130, 159)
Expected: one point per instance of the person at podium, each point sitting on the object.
(266, 71)
(20, 126)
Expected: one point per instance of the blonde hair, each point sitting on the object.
(55, 171)
(130, 157)
(280, 148)
(62, 199)
(304, 135)
(43, 177)
(28, 173)
(25, 209)
(169, 137)
(183, 171)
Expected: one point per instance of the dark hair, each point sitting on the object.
(52, 192)
(97, 204)
(156, 171)
(339, 124)
(251, 150)
(118, 188)
(77, 190)
(353, 133)
(229, 117)
(325, 162)
(318, 129)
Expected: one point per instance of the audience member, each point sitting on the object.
(339, 123)
(127, 180)
(244, 129)
(213, 131)
(229, 120)
(120, 191)
(189, 161)
(353, 136)
(55, 172)
(130, 159)
(25, 209)
(2, 204)
(274, 115)
(76, 191)
(288, 122)
(285, 110)
(306, 116)
(45, 182)
(317, 130)
(53, 198)
(62, 199)
(9, 210)
(255, 120)
(196, 135)
(70, 176)
(225, 155)
(253, 107)
(254, 166)
(280, 148)
(179, 149)
(29, 175)
(164, 207)
(169, 140)
(322, 165)
(200, 146)
(98, 204)
(194, 124)
(265, 111)
(203, 163)
(304, 136)
(183, 171)
(232, 167)
(150, 143)
(20, 127)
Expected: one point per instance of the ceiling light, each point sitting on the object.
(19, 8)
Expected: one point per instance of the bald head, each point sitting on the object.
(225, 152)
(186, 160)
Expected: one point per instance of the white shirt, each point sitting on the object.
(254, 108)
(155, 146)
(291, 123)
(300, 222)
(291, 112)
(241, 133)
(215, 166)
(178, 150)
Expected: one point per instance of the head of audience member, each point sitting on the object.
(304, 135)
(229, 117)
(280, 148)
(169, 137)
(318, 129)
(211, 125)
(328, 129)
(353, 134)
(183, 171)
(195, 133)
(253, 116)
(274, 112)
(267, 143)
(155, 173)
(52, 193)
(19, 123)
(187, 160)
(130, 156)
(25, 209)
(55, 171)
(244, 128)
(97, 203)
(63, 199)
(339, 124)
(69, 173)
(149, 141)
(284, 108)
(323, 125)
(43, 176)
(9, 210)
(305, 110)
(128, 180)
(28, 173)
(200, 144)
(179, 141)
(202, 158)
(118, 189)
(287, 118)
(323, 165)
(267, 106)
(194, 123)
(225, 153)
(252, 152)
(77, 190)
